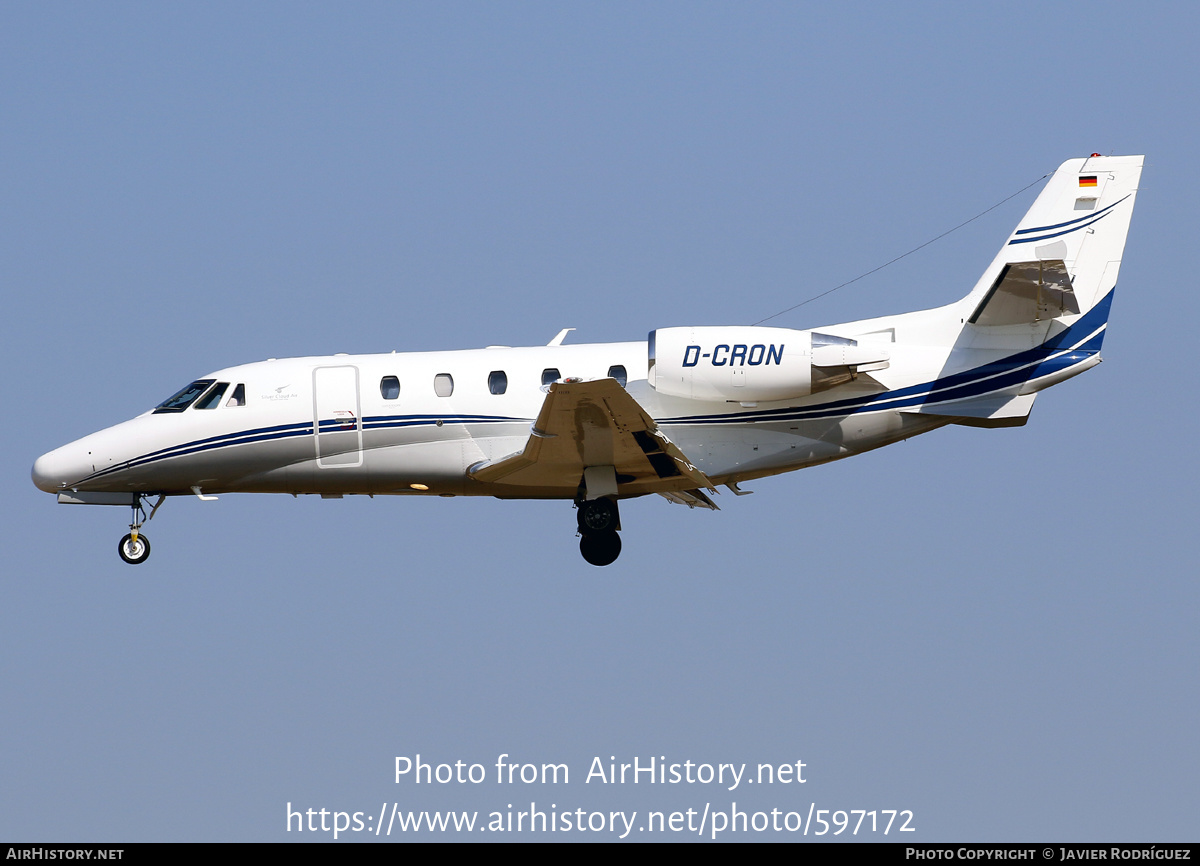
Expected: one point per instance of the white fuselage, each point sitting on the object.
(337, 425)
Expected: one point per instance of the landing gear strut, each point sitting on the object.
(134, 548)
(598, 522)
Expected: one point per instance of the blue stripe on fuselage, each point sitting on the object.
(287, 431)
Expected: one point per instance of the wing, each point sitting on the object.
(595, 437)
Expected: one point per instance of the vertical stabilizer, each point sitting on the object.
(1064, 256)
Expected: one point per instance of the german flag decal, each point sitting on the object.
(1087, 180)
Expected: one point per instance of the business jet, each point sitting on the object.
(684, 412)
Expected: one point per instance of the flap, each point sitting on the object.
(691, 498)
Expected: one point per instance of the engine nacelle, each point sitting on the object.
(742, 364)
(749, 364)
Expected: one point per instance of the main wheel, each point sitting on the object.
(134, 552)
(601, 548)
(597, 515)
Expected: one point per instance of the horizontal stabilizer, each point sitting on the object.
(993, 410)
(1028, 292)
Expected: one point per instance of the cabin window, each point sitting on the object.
(550, 374)
(238, 398)
(213, 397)
(497, 382)
(617, 371)
(389, 387)
(443, 384)
(183, 398)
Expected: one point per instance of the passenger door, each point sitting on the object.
(338, 420)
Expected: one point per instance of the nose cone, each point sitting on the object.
(58, 468)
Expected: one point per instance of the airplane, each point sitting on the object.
(679, 414)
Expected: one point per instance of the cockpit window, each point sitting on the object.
(238, 398)
(213, 398)
(184, 398)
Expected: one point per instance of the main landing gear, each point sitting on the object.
(599, 521)
(134, 548)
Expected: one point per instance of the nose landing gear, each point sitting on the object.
(598, 521)
(134, 548)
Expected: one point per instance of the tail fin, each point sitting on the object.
(1064, 256)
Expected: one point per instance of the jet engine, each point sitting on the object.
(750, 364)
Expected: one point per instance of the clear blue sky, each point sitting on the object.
(993, 629)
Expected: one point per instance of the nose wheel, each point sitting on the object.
(598, 523)
(134, 549)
